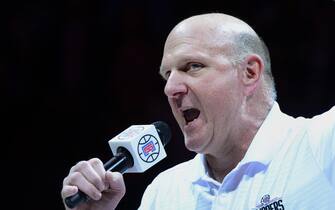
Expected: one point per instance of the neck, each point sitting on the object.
(218, 168)
(222, 163)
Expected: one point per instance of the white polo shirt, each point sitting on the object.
(289, 165)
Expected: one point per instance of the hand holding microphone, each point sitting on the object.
(135, 150)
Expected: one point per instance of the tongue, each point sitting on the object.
(191, 114)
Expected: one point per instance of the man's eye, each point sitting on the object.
(194, 66)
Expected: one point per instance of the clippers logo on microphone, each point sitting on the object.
(145, 143)
(148, 148)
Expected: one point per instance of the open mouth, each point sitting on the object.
(191, 114)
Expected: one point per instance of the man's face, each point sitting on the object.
(203, 90)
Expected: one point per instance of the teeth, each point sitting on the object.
(191, 114)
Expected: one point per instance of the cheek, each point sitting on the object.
(221, 100)
(219, 93)
(178, 117)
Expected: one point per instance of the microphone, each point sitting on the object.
(135, 150)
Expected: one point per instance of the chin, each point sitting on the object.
(194, 145)
(198, 140)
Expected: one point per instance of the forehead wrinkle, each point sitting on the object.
(177, 46)
(189, 52)
(205, 44)
(212, 41)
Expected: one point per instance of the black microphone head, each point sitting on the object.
(164, 131)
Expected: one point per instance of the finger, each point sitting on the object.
(68, 190)
(98, 167)
(86, 169)
(76, 179)
(116, 184)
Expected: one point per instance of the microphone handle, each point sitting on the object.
(119, 163)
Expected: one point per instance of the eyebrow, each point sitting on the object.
(183, 59)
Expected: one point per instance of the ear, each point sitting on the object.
(252, 71)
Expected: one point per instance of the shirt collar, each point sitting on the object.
(268, 138)
(199, 169)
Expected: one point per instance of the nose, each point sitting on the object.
(175, 85)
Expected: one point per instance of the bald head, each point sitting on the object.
(214, 23)
(217, 30)
(228, 35)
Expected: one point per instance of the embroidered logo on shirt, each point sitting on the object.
(270, 204)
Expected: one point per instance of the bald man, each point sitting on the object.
(250, 155)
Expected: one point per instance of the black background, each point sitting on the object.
(76, 73)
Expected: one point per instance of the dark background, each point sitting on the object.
(75, 73)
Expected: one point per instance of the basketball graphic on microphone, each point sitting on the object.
(148, 148)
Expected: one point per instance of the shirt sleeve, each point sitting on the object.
(321, 135)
